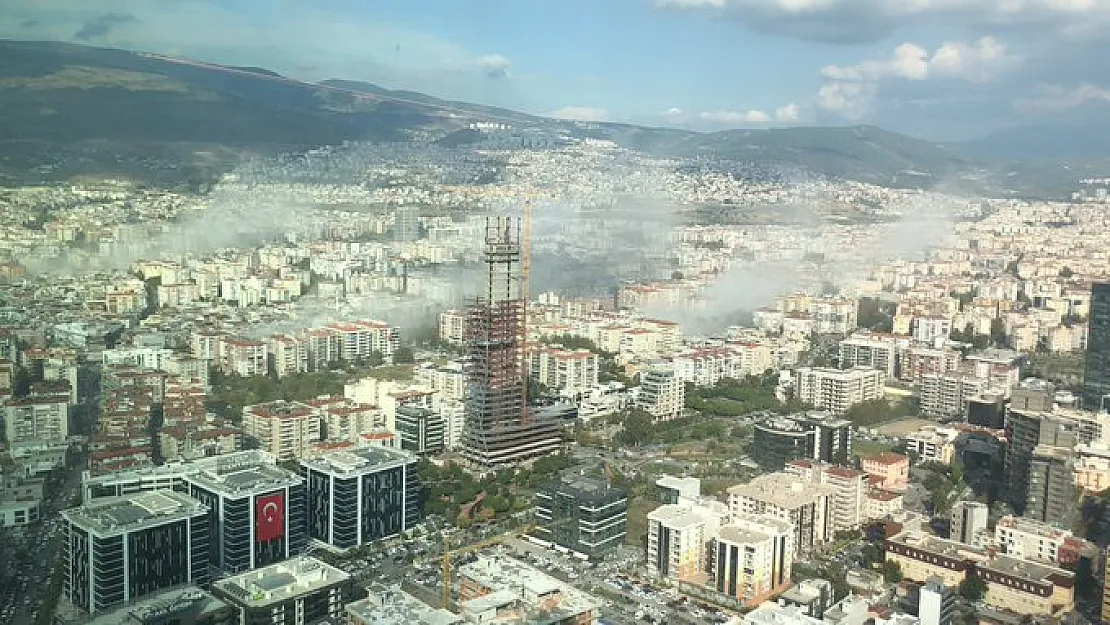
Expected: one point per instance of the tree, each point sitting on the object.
(892, 572)
(639, 427)
(403, 356)
(1066, 272)
(972, 588)
(998, 332)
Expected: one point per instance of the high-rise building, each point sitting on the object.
(301, 590)
(360, 496)
(119, 549)
(1096, 372)
(256, 510)
(937, 603)
(680, 537)
(849, 503)
(1026, 431)
(815, 436)
(871, 352)
(968, 519)
(500, 430)
(808, 506)
(421, 430)
(406, 223)
(1106, 590)
(753, 558)
(1050, 493)
(583, 514)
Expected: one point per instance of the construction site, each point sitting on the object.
(501, 430)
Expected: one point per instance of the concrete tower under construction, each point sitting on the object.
(500, 428)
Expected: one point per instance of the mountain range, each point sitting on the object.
(73, 110)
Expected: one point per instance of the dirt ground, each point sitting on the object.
(903, 427)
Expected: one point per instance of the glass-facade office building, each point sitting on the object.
(1096, 371)
(583, 514)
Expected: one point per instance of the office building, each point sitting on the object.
(680, 537)
(753, 558)
(968, 519)
(936, 603)
(180, 605)
(806, 505)
(848, 506)
(360, 496)
(672, 490)
(837, 390)
(503, 588)
(119, 549)
(393, 606)
(256, 509)
(662, 393)
(286, 429)
(421, 430)
(36, 419)
(987, 410)
(1096, 370)
(500, 429)
(816, 436)
(586, 515)
(294, 592)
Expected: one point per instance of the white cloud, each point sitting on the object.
(494, 65)
(752, 116)
(581, 114)
(1056, 98)
(674, 111)
(981, 61)
(787, 113)
(851, 100)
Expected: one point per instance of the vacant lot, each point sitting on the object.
(903, 427)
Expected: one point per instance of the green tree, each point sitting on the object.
(892, 572)
(403, 356)
(998, 332)
(972, 588)
(639, 427)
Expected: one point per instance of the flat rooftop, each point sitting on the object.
(118, 515)
(740, 535)
(676, 516)
(501, 573)
(393, 606)
(359, 461)
(155, 608)
(278, 582)
(782, 490)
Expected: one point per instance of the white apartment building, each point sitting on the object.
(806, 505)
(358, 340)
(288, 354)
(145, 357)
(452, 327)
(753, 558)
(1030, 539)
(662, 393)
(945, 395)
(37, 420)
(930, 330)
(243, 357)
(933, 444)
(870, 352)
(835, 315)
(571, 372)
(286, 430)
(849, 503)
(837, 390)
(708, 366)
(679, 538)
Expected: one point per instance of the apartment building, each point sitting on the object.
(753, 558)
(679, 538)
(242, 357)
(287, 354)
(286, 429)
(848, 505)
(36, 419)
(969, 518)
(890, 470)
(946, 395)
(837, 390)
(917, 361)
(872, 352)
(662, 393)
(452, 327)
(1029, 539)
(706, 366)
(806, 505)
(571, 372)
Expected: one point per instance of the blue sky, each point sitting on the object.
(946, 69)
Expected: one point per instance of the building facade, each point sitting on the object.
(837, 390)
(585, 515)
(297, 591)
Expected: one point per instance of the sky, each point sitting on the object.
(938, 69)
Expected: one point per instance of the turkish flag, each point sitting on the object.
(269, 517)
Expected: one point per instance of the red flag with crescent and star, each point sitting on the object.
(269, 517)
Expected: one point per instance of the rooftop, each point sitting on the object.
(118, 515)
(359, 461)
(782, 490)
(155, 608)
(676, 516)
(740, 535)
(393, 606)
(498, 572)
(282, 581)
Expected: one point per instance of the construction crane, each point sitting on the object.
(448, 554)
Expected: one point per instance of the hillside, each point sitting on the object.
(71, 110)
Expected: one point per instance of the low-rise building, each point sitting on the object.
(498, 587)
(586, 515)
(299, 590)
(890, 470)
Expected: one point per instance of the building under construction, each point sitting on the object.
(500, 428)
